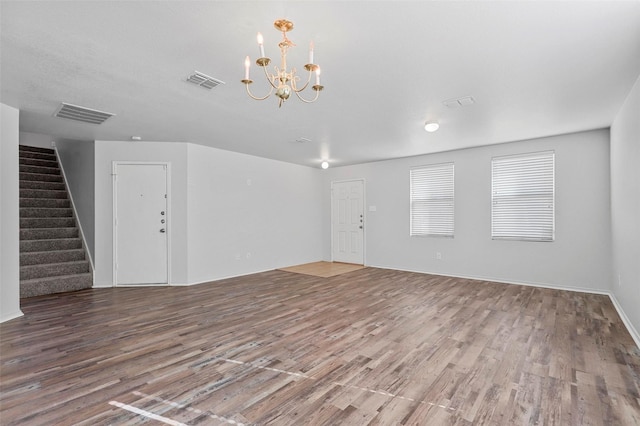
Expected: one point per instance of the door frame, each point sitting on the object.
(114, 175)
(364, 215)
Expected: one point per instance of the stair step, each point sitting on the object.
(39, 170)
(45, 212)
(40, 193)
(27, 148)
(44, 203)
(60, 284)
(49, 245)
(41, 185)
(53, 269)
(37, 155)
(57, 256)
(39, 177)
(48, 233)
(38, 162)
(47, 222)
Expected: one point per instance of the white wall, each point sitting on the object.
(216, 216)
(105, 153)
(249, 214)
(625, 208)
(9, 215)
(578, 258)
(77, 159)
(36, 139)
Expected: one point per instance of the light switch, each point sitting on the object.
(372, 208)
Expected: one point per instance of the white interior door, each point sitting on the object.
(347, 220)
(141, 224)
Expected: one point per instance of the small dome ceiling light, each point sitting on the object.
(324, 165)
(431, 126)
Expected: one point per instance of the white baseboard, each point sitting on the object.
(632, 331)
(11, 316)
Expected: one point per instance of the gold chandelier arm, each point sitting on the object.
(294, 86)
(315, 87)
(271, 78)
(247, 83)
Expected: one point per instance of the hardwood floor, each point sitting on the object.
(370, 347)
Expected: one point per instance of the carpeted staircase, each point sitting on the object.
(52, 256)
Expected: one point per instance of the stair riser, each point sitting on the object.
(39, 287)
(26, 148)
(45, 186)
(45, 257)
(37, 155)
(54, 222)
(36, 193)
(48, 234)
(44, 203)
(36, 162)
(50, 245)
(53, 270)
(40, 170)
(36, 177)
(40, 212)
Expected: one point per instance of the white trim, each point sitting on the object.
(114, 174)
(630, 328)
(11, 316)
(75, 216)
(364, 216)
(634, 333)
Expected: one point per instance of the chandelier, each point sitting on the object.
(284, 82)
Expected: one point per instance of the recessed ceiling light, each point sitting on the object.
(431, 126)
(324, 165)
(136, 138)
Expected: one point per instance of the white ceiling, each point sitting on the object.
(534, 68)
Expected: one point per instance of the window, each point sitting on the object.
(522, 197)
(432, 200)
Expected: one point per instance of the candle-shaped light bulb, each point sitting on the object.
(318, 77)
(247, 63)
(260, 43)
(311, 52)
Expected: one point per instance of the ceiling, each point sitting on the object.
(534, 69)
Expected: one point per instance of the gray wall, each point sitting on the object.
(625, 208)
(78, 162)
(579, 258)
(9, 215)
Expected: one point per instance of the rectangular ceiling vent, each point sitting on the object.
(79, 113)
(204, 80)
(459, 102)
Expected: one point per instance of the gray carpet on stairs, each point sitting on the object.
(52, 257)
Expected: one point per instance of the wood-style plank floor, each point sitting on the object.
(370, 347)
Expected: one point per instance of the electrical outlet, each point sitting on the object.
(438, 255)
(248, 255)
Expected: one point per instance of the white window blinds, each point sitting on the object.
(522, 200)
(432, 200)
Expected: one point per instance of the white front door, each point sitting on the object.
(141, 223)
(347, 220)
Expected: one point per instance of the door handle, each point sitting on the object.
(162, 230)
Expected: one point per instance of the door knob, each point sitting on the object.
(360, 226)
(162, 230)
(162, 213)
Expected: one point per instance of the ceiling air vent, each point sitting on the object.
(78, 113)
(204, 80)
(460, 102)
